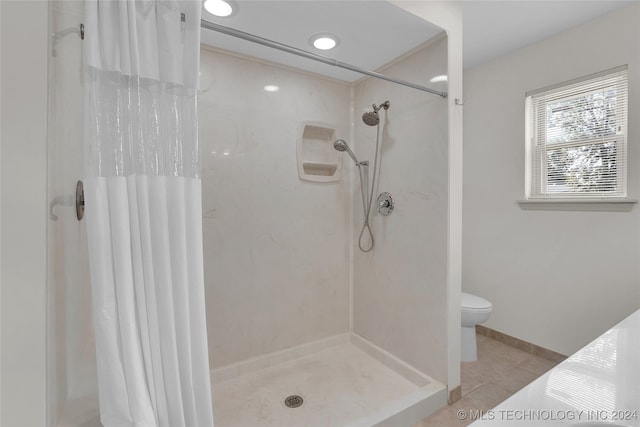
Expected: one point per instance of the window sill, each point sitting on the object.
(601, 205)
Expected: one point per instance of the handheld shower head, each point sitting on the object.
(341, 145)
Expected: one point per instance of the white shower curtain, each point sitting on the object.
(143, 212)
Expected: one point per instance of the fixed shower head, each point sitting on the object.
(372, 118)
(341, 145)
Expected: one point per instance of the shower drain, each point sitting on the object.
(293, 401)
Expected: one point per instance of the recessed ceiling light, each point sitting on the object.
(324, 41)
(218, 7)
(271, 88)
(440, 78)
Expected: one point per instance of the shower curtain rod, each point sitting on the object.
(303, 53)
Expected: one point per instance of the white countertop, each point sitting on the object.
(597, 386)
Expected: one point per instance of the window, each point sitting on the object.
(577, 138)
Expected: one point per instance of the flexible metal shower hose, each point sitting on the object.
(364, 187)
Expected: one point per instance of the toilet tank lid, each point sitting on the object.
(473, 301)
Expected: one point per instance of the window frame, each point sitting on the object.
(534, 149)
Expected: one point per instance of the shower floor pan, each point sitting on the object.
(343, 381)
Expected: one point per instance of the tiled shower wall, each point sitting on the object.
(400, 288)
(276, 247)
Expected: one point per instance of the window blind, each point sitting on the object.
(577, 138)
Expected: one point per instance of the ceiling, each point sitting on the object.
(373, 33)
(494, 28)
(370, 33)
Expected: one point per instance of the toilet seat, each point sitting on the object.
(474, 304)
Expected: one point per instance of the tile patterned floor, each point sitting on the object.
(498, 373)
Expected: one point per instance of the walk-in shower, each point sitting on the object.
(295, 307)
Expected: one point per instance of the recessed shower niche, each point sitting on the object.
(317, 160)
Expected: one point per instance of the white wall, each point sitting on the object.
(275, 246)
(556, 279)
(23, 132)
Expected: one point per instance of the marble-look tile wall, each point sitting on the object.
(276, 247)
(400, 288)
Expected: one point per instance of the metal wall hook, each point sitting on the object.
(69, 200)
(72, 30)
(59, 35)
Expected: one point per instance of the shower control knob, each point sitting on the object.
(385, 204)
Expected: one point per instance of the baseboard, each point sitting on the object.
(520, 344)
(455, 394)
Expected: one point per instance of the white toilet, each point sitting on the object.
(474, 310)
